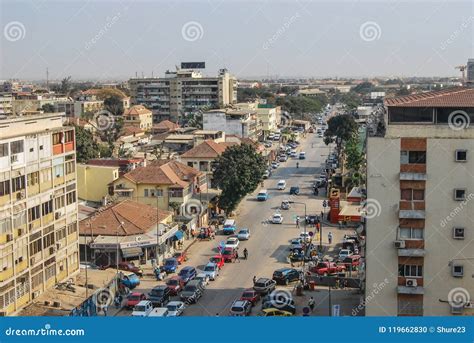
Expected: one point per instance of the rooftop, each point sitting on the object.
(136, 110)
(137, 218)
(452, 97)
(207, 149)
(166, 125)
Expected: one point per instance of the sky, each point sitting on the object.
(113, 40)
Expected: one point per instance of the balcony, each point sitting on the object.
(411, 252)
(410, 290)
(411, 176)
(411, 214)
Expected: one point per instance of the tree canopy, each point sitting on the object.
(87, 148)
(342, 126)
(48, 108)
(239, 171)
(300, 107)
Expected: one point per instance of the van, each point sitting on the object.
(142, 309)
(262, 195)
(229, 227)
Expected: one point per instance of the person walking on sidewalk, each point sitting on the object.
(297, 221)
(311, 303)
(237, 258)
(330, 237)
(254, 279)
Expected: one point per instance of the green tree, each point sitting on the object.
(239, 171)
(114, 105)
(342, 126)
(48, 108)
(65, 85)
(301, 107)
(87, 148)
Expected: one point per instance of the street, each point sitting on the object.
(268, 245)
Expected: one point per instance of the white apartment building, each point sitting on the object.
(241, 123)
(182, 92)
(38, 207)
(420, 184)
(470, 72)
(268, 115)
(6, 103)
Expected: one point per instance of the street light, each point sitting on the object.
(117, 250)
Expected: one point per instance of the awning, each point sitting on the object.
(178, 235)
(132, 252)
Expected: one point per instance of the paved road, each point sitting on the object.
(268, 245)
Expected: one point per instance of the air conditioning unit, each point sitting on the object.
(35, 295)
(52, 250)
(469, 305)
(58, 246)
(33, 260)
(411, 283)
(57, 215)
(399, 244)
(22, 280)
(20, 232)
(9, 237)
(456, 309)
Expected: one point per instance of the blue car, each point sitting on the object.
(229, 227)
(170, 266)
(130, 280)
(187, 274)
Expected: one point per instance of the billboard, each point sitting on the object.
(193, 65)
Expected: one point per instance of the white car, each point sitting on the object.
(243, 235)
(294, 153)
(345, 253)
(175, 308)
(232, 242)
(204, 278)
(159, 312)
(281, 185)
(142, 309)
(211, 270)
(304, 236)
(277, 218)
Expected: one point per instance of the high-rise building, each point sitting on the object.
(470, 72)
(38, 207)
(420, 192)
(183, 92)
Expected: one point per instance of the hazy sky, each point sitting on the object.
(115, 39)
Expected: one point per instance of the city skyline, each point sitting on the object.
(117, 40)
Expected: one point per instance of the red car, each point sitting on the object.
(229, 254)
(180, 256)
(250, 295)
(217, 259)
(134, 298)
(327, 268)
(352, 261)
(175, 284)
(130, 267)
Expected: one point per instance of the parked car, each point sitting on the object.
(294, 190)
(134, 298)
(250, 295)
(264, 285)
(274, 312)
(281, 185)
(352, 262)
(277, 218)
(218, 260)
(142, 309)
(243, 234)
(211, 270)
(175, 308)
(268, 144)
(159, 295)
(192, 292)
(311, 219)
(284, 276)
(130, 267)
(130, 280)
(180, 256)
(283, 158)
(204, 278)
(275, 165)
(229, 227)
(262, 195)
(285, 205)
(296, 242)
(266, 174)
(302, 155)
(232, 242)
(159, 312)
(305, 237)
(287, 305)
(241, 308)
(175, 284)
(170, 265)
(327, 268)
(229, 254)
(343, 253)
(187, 274)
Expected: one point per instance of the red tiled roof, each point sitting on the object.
(136, 110)
(137, 218)
(130, 130)
(163, 172)
(453, 97)
(207, 149)
(166, 124)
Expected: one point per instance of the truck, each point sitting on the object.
(326, 268)
(229, 227)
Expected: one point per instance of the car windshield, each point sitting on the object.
(209, 269)
(172, 282)
(134, 297)
(278, 274)
(321, 265)
(190, 288)
(247, 295)
(242, 231)
(169, 262)
(214, 259)
(237, 309)
(139, 308)
(227, 252)
(260, 284)
(157, 291)
(183, 272)
(172, 307)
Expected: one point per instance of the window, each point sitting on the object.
(16, 147)
(33, 179)
(48, 240)
(4, 188)
(18, 183)
(68, 136)
(459, 194)
(59, 202)
(61, 234)
(70, 198)
(47, 207)
(58, 170)
(410, 233)
(72, 228)
(412, 306)
(19, 219)
(36, 247)
(70, 167)
(45, 175)
(458, 233)
(3, 149)
(145, 193)
(57, 138)
(407, 270)
(5, 226)
(461, 155)
(457, 270)
(34, 213)
(413, 194)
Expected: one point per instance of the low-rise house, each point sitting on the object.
(165, 126)
(243, 123)
(93, 181)
(138, 116)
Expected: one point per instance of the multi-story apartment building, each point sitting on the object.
(38, 207)
(268, 115)
(182, 92)
(420, 188)
(138, 116)
(6, 103)
(242, 123)
(470, 72)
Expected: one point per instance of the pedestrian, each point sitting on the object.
(105, 310)
(311, 303)
(322, 215)
(254, 279)
(297, 222)
(237, 258)
(330, 237)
